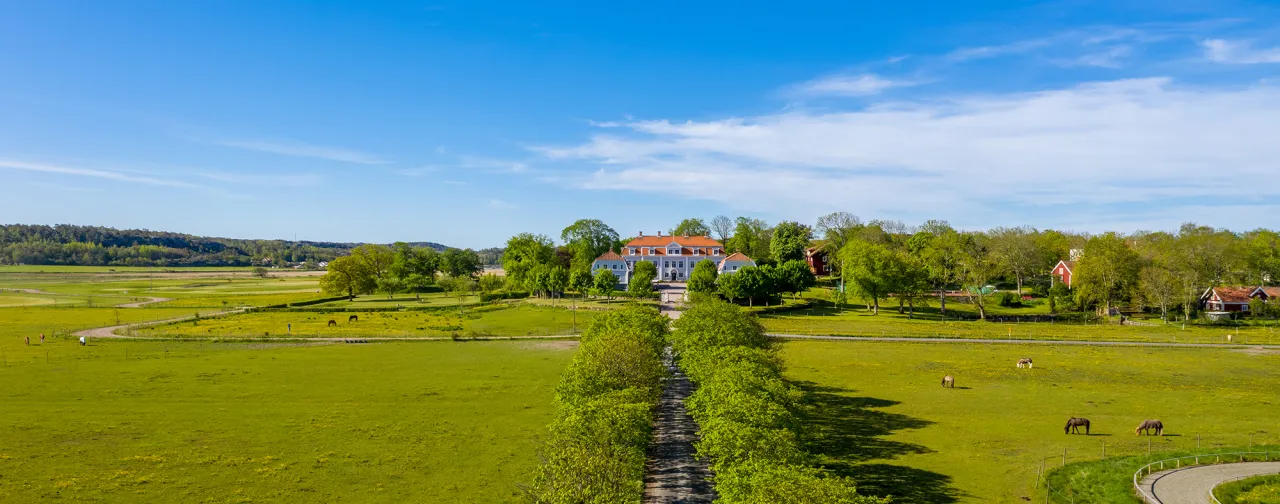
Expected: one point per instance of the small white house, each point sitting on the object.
(613, 262)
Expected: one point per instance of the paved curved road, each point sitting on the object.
(1191, 485)
(140, 304)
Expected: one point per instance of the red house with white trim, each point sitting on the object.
(1063, 272)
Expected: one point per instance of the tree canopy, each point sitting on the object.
(691, 227)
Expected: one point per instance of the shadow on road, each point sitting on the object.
(846, 432)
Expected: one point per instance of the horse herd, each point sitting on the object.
(1074, 424)
(352, 318)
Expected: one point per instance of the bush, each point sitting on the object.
(488, 297)
(596, 449)
(1009, 300)
(746, 412)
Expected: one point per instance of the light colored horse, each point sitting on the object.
(1024, 363)
(948, 382)
(1147, 425)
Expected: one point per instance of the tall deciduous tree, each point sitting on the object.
(1014, 248)
(795, 277)
(642, 277)
(868, 271)
(910, 281)
(977, 268)
(347, 276)
(588, 238)
(703, 278)
(691, 227)
(605, 283)
(789, 241)
(1107, 271)
(524, 253)
(722, 227)
(460, 262)
(837, 229)
(940, 248)
(751, 237)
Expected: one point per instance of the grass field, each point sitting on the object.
(878, 413)
(501, 320)
(1256, 490)
(429, 422)
(825, 320)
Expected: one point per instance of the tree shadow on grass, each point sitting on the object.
(846, 432)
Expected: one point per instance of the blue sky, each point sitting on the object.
(466, 122)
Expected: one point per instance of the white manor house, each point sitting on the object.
(674, 256)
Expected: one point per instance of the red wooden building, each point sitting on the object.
(1063, 272)
(817, 259)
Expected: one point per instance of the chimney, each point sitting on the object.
(659, 233)
(641, 233)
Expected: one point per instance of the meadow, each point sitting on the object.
(392, 422)
(877, 412)
(1256, 490)
(824, 319)
(515, 319)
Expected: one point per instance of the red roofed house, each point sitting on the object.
(1266, 294)
(675, 256)
(734, 262)
(1226, 299)
(1064, 271)
(817, 259)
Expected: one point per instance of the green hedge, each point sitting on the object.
(595, 451)
(489, 297)
(747, 414)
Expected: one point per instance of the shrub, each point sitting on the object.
(489, 297)
(1009, 300)
(596, 449)
(746, 412)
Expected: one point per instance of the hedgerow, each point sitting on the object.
(595, 452)
(747, 414)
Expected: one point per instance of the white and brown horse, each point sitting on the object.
(948, 381)
(1147, 426)
(1024, 363)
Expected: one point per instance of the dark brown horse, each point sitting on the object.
(1147, 425)
(948, 382)
(1074, 425)
(353, 318)
(333, 323)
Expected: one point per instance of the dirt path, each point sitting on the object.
(140, 304)
(1192, 485)
(1238, 346)
(672, 474)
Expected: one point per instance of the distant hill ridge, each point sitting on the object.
(67, 244)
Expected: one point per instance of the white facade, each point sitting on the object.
(674, 256)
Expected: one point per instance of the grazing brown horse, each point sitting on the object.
(1074, 425)
(333, 323)
(1024, 363)
(948, 381)
(353, 318)
(1147, 425)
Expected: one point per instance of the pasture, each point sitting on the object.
(195, 288)
(877, 411)
(495, 320)
(392, 422)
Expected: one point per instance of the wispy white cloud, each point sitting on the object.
(299, 149)
(1110, 58)
(64, 188)
(498, 204)
(1074, 151)
(265, 179)
(1238, 52)
(420, 171)
(850, 85)
(94, 173)
(992, 51)
(492, 164)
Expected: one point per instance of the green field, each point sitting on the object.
(1256, 490)
(430, 422)
(190, 287)
(878, 413)
(825, 320)
(494, 320)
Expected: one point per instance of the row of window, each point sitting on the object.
(673, 251)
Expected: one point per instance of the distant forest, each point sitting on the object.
(66, 244)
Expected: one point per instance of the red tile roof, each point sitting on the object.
(683, 241)
(1233, 294)
(609, 256)
(1271, 292)
(736, 256)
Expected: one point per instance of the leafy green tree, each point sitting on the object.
(460, 262)
(1262, 256)
(703, 278)
(390, 285)
(347, 276)
(1014, 248)
(642, 277)
(587, 239)
(524, 253)
(751, 237)
(260, 272)
(460, 287)
(977, 270)
(837, 229)
(789, 241)
(580, 280)
(691, 227)
(754, 282)
(732, 287)
(795, 277)
(415, 268)
(377, 259)
(940, 248)
(910, 281)
(868, 271)
(1107, 272)
(557, 280)
(1159, 287)
(605, 283)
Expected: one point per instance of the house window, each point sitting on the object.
(631, 251)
